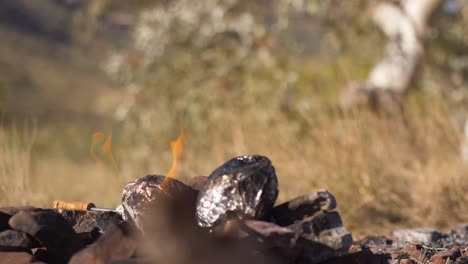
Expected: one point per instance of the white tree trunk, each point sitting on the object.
(405, 25)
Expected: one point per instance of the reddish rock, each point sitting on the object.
(444, 256)
(360, 257)
(15, 258)
(415, 252)
(113, 245)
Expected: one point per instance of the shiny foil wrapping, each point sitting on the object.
(144, 193)
(243, 187)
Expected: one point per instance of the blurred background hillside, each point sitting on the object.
(251, 77)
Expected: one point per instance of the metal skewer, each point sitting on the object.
(79, 206)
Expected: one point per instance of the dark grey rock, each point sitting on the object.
(361, 257)
(87, 221)
(4, 218)
(375, 241)
(270, 234)
(13, 240)
(325, 229)
(245, 187)
(302, 207)
(51, 230)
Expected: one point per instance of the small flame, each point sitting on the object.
(176, 147)
(106, 147)
(96, 138)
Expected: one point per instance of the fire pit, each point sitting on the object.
(227, 217)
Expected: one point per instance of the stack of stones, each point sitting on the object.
(228, 217)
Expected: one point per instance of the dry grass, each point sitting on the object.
(386, 171)
(15, 168)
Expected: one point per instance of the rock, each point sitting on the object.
(360, 257)
(415, 252)
(321, 237)
(13, 240)
(375, 241)
(14, 210)
(461, 230)
(245, 187)
(4, 218)
(326, 229)
(232, 228)
(15, 258)
(401, 261)
(444, 256)
(113, 245)
(43, 255)
(270, 235)
(302, 207)
(149, 191)
(52, 231)
(424, 236)
(132, 261)
(87, 221)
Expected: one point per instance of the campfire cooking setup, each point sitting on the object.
(228, 217)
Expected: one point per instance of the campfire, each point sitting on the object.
(228, 217)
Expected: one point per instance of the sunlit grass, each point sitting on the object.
(15, 167)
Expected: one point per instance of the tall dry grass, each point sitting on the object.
(386, 170)
(32, 178)
(15, 167)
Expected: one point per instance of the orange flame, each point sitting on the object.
(106, 147)
(176, 147)
(96, 138)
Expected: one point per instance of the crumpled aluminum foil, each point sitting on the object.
(140, 195)
(243, 187)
